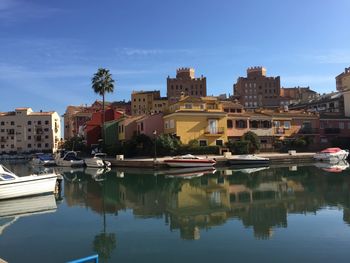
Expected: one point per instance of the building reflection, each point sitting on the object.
(260, 199)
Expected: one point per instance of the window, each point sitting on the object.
(341, 125)
(188, 106)
(46, 145)
(219, 142)
(46, 136)
(254, 124)
(287, 125)
(172, 124)
(39, 145)
(229, 124)
(29, 122)
(29, 145)
(321, 125)
(166, 124)
(202, 142)
(29, 137)
(141, 126)
(241, 124)
(46, 122)
(2, 123)
(213, 126)
(12, 123)
(39, 122)
(2, 130)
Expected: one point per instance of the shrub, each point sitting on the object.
(167, 145)
(253, 141)
(238, 147)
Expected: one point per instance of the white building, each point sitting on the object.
(23, 130)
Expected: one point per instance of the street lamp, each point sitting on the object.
(155, 146)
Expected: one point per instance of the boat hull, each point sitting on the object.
(190, 163)
(27, 186)
(96, 163)
(247, 162)
(330, 157)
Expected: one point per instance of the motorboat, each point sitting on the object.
(188, 173)
(247, 159)
(333, 167)
(97, 161)
(68, 159)
(43, 159)
(12, 186)
(331, 154)
(189, 160)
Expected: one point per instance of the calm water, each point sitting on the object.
(280, 214)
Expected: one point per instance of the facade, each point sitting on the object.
(93, 127)
(75, 118)
(201, 119)
(334, 126)
(185, 84)
(343, 80)
(257, 90)
(150, 123)
(326, 103)
(127, 127)
(297, 94)
(23, 131)
(147, 102)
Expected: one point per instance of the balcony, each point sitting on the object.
(214, 131)
(309, 131)
(331, 130)
(278, 131)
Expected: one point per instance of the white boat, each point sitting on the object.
(69, 159)
(43, 159)
(247, 159)
(333, 167)
(189, 160)
(97, 161)
(12, 186)
(331, 154)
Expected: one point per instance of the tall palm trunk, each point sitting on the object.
(103, 117)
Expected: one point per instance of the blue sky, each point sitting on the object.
(49, 50)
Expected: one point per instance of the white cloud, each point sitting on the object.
(336, 56)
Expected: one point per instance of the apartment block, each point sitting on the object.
(24, 131)
(343, 80)
(298, 94)
(186, 84)
(257, 90)
(147, 102)
(201, 119)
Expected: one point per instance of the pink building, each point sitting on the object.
(148, 124)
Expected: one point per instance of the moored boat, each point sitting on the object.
(97, 161)
(189, 160)
(247, 159)
(12, 186)
(69, 159)
(331, 154)
(43, 159)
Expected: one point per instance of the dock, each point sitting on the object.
(275, 158)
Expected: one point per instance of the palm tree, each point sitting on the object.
(102, 83)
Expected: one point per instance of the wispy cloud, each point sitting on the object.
(15, 10)
(150, 52)
(336, 56)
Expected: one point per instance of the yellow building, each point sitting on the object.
(201, 119)
(147, 102)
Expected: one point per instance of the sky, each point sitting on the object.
(49, 50)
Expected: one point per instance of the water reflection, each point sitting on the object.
(13, 209)
(260, 198)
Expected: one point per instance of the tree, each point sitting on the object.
(102, 83)
(254, 141)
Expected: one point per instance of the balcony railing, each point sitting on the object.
(309, 131)
(331, 130)
(214, 131)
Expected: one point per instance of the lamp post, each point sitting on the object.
(155, 146)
